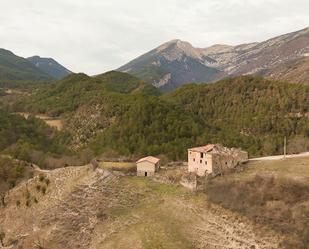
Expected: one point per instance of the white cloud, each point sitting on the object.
(98, 35)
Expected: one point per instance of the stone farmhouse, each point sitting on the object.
(147, 166)
(214, 159)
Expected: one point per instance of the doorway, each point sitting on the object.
(145, 173)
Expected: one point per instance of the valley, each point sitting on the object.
(104, 161)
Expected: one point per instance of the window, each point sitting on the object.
(202, 155)
(200, 161)
(225, 163)
(193, 159)
(206, 162)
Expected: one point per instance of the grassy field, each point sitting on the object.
(296, 168)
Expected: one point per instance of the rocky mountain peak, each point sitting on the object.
(176, 49)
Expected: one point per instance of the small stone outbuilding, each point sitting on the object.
(147, 166)
(214, 159)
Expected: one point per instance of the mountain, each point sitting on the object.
(50, 66)
(296, 71)
(172, 65)
(177, 62)
(14, 68)
(257, 57)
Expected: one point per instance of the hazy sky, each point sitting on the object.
(94, 36)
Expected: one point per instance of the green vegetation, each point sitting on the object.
(79, 89)
(250, 112)
(19, 136)
(118, 114)
(15, 69)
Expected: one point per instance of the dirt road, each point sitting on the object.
(280, 157)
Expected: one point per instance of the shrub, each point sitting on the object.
(43, 190)
(38, 187)
(278, 203)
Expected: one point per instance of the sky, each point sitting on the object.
(95, 36)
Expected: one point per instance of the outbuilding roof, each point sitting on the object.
(150, 159)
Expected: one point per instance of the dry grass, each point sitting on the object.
(296, 168)
(273, 193)
(119, 166)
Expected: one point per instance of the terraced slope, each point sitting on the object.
(82, 208)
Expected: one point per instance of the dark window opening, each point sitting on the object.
(202, 155)
(200, 161)
(145, 173)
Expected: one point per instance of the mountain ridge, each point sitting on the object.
(49, 66)
(177, 62)
(16, 68)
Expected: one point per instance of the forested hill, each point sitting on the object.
(250, 111)
(128, 117)
(19, 136)
(77, 90)
(14, 68)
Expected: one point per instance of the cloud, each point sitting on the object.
(94, 36)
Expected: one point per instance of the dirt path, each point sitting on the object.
(280, 157)
(51, 121)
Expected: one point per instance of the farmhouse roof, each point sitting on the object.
(203, 149)
(216, 149)
(150, 159)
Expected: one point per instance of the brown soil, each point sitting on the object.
(82, 208)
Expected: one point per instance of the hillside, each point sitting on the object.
(50, 67)
(14, 68)
(82, 208)
(248, 112)
(296, 71)
(20, 136)
(76, 90)
(177, 62)
(172, 65)
(273, 193)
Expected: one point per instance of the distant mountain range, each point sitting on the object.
(14, 68)
(50, 66)
(176, 63)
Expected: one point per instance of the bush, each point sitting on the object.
(281, 204)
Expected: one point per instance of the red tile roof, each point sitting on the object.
(203, 149)
(150, 159)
